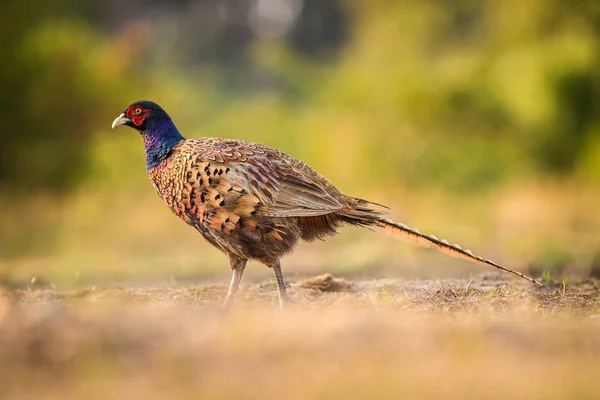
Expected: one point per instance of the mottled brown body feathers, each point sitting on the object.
(250, 200)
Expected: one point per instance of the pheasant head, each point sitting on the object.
(156, 127)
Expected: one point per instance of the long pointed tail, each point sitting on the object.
(404, 232)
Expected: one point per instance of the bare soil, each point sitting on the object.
(345, 339)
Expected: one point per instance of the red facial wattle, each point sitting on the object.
(139, 117)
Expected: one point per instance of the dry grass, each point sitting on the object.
(350, 340)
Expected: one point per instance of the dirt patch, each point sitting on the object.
(347, 339)
(326, 283)
(485, 292)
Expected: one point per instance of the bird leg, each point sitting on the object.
(237, 266)
(281, 286)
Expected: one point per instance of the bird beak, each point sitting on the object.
(120, 120)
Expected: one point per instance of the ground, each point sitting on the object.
(351, 339)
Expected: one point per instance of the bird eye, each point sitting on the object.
(137, 111)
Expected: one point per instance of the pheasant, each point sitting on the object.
(251, 201)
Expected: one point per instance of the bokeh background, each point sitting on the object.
(477, 121)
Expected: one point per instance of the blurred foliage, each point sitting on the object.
(505, 87)
(56, 69)
(463, 96)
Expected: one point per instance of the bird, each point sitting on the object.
(254, 202)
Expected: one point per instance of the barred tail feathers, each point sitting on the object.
(402, 231)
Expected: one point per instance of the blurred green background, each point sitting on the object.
(477, 121)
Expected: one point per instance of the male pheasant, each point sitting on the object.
(253, 202)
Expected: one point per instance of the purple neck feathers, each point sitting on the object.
(159, 138)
